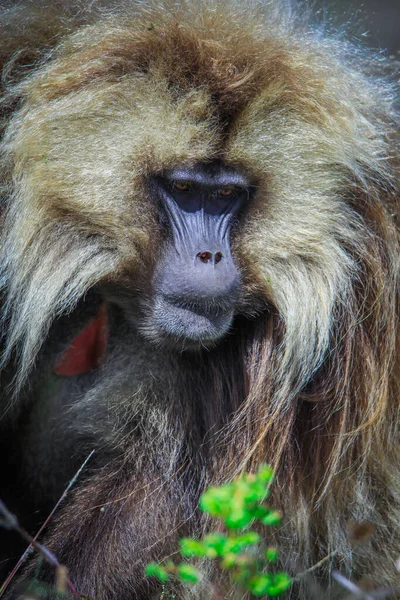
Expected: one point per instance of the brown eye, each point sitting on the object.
(181, 186)
(225, 192)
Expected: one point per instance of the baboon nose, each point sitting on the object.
(210, 257)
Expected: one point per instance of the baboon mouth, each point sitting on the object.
(191, 322)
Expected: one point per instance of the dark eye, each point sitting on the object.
(181, 186)
(225, 192)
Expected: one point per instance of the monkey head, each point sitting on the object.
(191, 183)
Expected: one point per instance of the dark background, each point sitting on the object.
(375, 21)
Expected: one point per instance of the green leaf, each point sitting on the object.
(255, 491)
(273, 517)
(239, 517)
(215, 544)
(188, 573)
(191, 547)
(261, 511)
(280, 582)
(249, 538)
(238, 543)
(216, 500)
(271, 554)
(156, 570)
(259, 584)
(265, 473)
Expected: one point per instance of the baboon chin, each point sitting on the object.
(199, 273)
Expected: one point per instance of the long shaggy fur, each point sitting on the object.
(96, 99)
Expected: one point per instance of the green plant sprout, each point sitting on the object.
(239, 551)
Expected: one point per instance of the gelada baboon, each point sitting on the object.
(199, 262)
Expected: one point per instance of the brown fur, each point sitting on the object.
(308, 380)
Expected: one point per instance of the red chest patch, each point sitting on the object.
(88, 348)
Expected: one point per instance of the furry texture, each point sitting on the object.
(308, 378)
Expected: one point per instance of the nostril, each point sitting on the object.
(207, 257)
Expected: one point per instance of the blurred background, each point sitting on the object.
(378, 21)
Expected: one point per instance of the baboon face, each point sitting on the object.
(196, 283)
